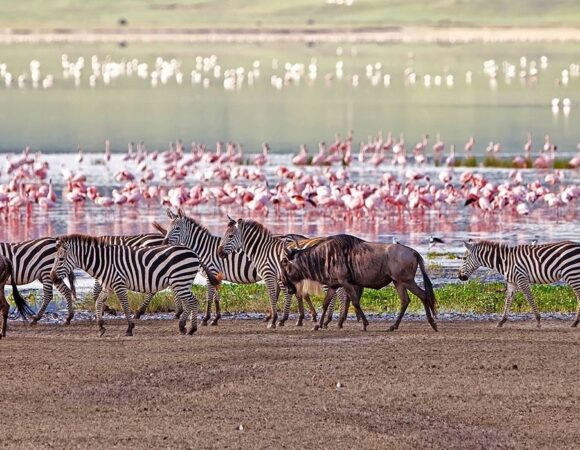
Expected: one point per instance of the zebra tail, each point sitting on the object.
(431, 301)
(23, 309)
(160, 228)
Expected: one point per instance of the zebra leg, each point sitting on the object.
(46, 299)
(124, 300)
(193, 305)
(97, 288)
(99, 301)
(511, 290)
(210, 297)
(218, 311)
(66, 293)
(524, 286)
(178, 308)
(273, 292)
(344, 306)
(190, 303)
(148, 297)
(287, 304)
(330, 311)
(575, 285)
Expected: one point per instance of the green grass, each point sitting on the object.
(283, 13)
(470, 297)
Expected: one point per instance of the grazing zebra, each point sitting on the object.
(236, 267)
(6, 273)
(523, 265)
(266, 251)
(31, 261)
(119, 268)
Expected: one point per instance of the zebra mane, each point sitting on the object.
(484, 244)
(198, 225)
(252, 225)
(80, 239)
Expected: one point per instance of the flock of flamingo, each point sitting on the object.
(208, 71)
(379, 176)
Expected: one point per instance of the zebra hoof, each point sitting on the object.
(281, 323)
(34, 321)
(392, 328)
(204, 323)
(434, 326)
(574, 324)
(315, 327)
(271, 326)
(192, 330)
(102, 331)
(299, 323)
(214, 323)
(500, 324)
(68, 320)
(182, 329)
(130, 329)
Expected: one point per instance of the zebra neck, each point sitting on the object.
(5, 249)
(90, 259)
(497, 258)
(258, 246)
(202, 242)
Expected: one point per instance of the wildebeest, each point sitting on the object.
(352, 263)
(7, 272)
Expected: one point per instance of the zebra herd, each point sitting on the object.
(247, 253)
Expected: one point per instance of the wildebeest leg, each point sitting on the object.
(405, 300)
(300, 301)
(210, 297)
(66, 293)
(311, 307)
(144, 305)
(4, 308)
(46, 299)
(329, 294)
(423, 297)
(353, 293)
(218, 311)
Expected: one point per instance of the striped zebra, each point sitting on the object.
(523, 265)
(266, 251)
(136, 241)
(120, 268)
(32, 261)
(7, 273)
(236, 267)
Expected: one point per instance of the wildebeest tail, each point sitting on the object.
(23, 309)
(431, 301)
(73, 289)
(308, 286)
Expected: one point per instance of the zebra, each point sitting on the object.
(136, 241)
(120, 268)
(523, 265)
(31, 261)
(266, 251)
(7, 273)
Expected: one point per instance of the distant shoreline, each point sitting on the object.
(395, 34)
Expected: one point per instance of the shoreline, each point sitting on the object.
(393, 35)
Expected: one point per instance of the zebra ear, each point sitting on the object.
(180, 212)
(468, 244)
(170, 214)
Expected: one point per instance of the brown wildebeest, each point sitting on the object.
(353, 264)
(6, 272)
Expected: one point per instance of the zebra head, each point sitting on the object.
(471, 261)
(178, 231)
(64, 262)
(232, 240)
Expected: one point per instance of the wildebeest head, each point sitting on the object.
(290, 273)
(471, 261)
(232, 240)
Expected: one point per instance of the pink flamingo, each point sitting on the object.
(301, 159)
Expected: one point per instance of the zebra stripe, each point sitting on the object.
(523, 265)
(121, 268)
(32, 261)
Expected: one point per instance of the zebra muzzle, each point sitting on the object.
(221, 253)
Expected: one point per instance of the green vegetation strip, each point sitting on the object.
(470, 297)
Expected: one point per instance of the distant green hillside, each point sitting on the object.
(50, 14)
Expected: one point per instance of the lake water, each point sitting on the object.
(501, 109)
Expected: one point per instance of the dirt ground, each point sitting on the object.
(240, 385)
